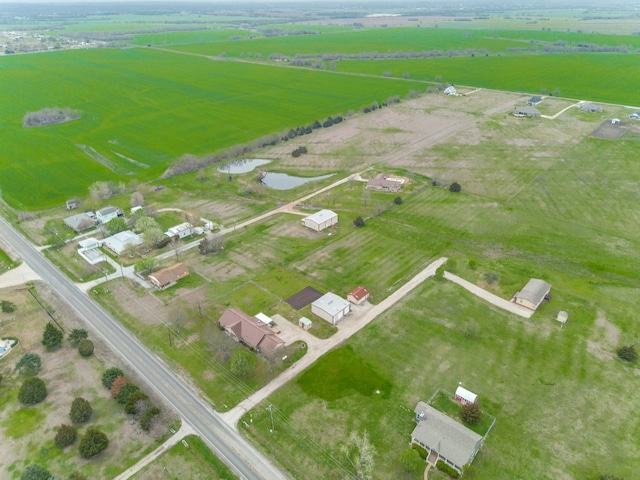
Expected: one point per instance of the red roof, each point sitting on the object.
(250, 331)
(359, 293)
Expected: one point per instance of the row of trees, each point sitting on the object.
(126, 393)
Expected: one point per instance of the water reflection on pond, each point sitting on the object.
(283, 181)
(243, 165)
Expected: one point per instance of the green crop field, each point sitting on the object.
(142, 109)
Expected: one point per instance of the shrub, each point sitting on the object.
(358, 222)
(77, 334)
(77, 476)
(7, 306)
(242, 362)
(136, 403)
(455, 187)
(80, 410)
(117, 385)
(147, 417)
(52, 336)
(443, 467)
(65, 436)
(491, 277)
(110, 375)
(126, 392)
(471, 413)
(31, 362)
(32, 391)
(411, 460)
(85, 347)
(397, 200)
(92, 443)
(35, 472)
(422, 451)
(627, 353)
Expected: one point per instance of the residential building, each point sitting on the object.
(107, 214)
(250, 331)
(533, 294)
(385, 183)
(118, 243)
(80, 222)
(331, 307)
(526, 111)
(450, 90)
(181, 231)
(533, 101)
(168, 276)
(320, 220)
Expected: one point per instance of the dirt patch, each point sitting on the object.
(610, 131)
(145, 308)
(605, 339)
(303, 298)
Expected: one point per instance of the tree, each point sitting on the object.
(397, 200)
(117, 385)
(455, 187)
(76, 335)
(144, 223)
(410, 460)
(627, 353)
(7, 306)
(52, 336)
(32, 391)
(126, 392)
(35, 472)
(471, 413)
(116, 225)
(31, 362)
(81, 410)
(242, 362)
(360, 453)
(359, 222)
(65, 436)
(137, 199)
(152, 237)
(148, 265)
(110, 375)
(92, 443)
(77, 476)
(131, 250)
(85, 347)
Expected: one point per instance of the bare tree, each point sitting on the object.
(137, 199)
(360, 452)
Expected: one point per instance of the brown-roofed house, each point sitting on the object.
(168, 276)
(248, 330)
(385, 183)
(358, 295)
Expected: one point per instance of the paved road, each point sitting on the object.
(246, 461)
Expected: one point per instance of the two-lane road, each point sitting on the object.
(246, 461)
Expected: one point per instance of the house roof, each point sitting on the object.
(89, 243)
(79, 222)
(119, 241)
(321, 216)
(449, 438)
(534, 291)
(331, 303)
(466, 394)
(305, 321)
(527, 110)
(535, 99)
(171, 274)
(359, 293)
(178, 228)
(250, 330)
(384, 181)
(107, 211)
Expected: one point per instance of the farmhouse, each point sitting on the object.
(118, 242)
(385, 183)
(80, 222)
(635, 116)
(533, 293)
(320, 220)
(248, 330)
(181, 231)
(591, 108)
(464, 396)
(358, 295)
(444, 438)
(526, 111)
(331, 307)
(107, 214)
(168, 276)
(533, 101)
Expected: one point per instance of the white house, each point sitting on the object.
(320, 220)
(331, 307)
(107, 214)
(464, 396)
(118, 242)
(181, 231)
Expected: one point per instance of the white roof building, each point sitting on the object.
(183, 230)
(465, 396)
(263, 318)
(320, 220)
(331, 307)
(118, 242)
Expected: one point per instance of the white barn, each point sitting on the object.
(465, 396)
(331, 307)
(320, 220)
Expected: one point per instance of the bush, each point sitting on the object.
(147, 417)
(52, 336)
(443, 467)
(31, 362)
(411, 460)
(77, 334)
(77, 476)
(471, 413)
(80, 410)
(35, 472)
(242, 362)
(92, 443)
(136, 403)
(455, 187)
(85, 347)
(7, 306)
(126, 392)
(627, 353)
(117, 385)
(33, 391)
(65, 436)
(422, 451)
(397, 200)
(110, 375)
(358, 222)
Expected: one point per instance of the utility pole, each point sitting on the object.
(269, 409)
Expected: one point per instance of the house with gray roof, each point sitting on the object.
(444, 438)
(591, 108)
(533, 294)
(526, 111)
(118, 243)
(535, 100)
(107, 214)
(80, 222)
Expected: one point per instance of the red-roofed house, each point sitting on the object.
(358, 295)
(250, 331)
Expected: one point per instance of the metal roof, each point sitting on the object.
(534, 291)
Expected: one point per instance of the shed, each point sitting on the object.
(535, 100)
(358, 295)
(533, 293)
(168, 276)
(465, 396)
(331, 307)
(562, 317)
(89, 244)
(305, 323)
(320, 220)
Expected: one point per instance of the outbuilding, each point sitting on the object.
(358, 295)
(320, 220)
(305, 323)
(331, 307)
(533, 294)
(464, 396)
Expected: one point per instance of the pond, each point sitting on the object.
(243, 165)
(283, 181)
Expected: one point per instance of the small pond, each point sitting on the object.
(243, 165)
(283, 181)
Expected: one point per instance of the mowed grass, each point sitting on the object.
(143, 108)
(543, 384)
